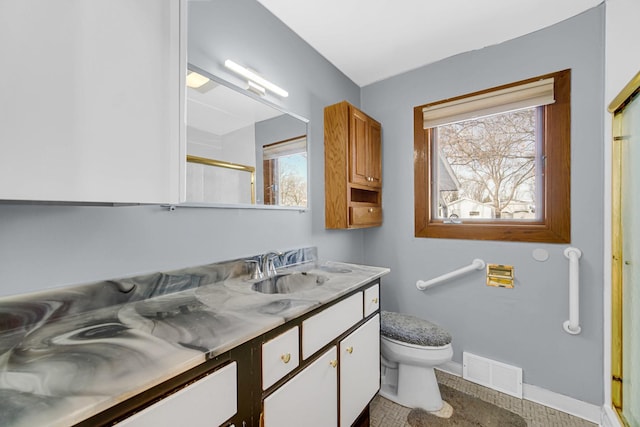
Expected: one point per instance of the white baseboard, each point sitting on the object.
(609, 417)
(578, 408)
(575, 407)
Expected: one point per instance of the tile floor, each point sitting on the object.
(385, 413)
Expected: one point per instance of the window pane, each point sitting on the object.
(285, 180)
(487, 168)
(293, 180)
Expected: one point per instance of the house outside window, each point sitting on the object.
(495, 164)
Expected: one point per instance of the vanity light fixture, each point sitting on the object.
(256, 79)
(256, 88)
(195, 80)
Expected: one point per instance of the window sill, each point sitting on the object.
(505, 231)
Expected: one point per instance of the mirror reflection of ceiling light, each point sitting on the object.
(256, 79)
(199, 82)
(195, 80)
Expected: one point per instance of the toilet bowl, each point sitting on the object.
(410, 348)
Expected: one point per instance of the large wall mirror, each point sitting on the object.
(242, 151)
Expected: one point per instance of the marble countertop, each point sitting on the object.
(60, 365)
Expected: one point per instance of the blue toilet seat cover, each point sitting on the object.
(413, 330)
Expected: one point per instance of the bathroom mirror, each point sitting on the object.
(241, 150)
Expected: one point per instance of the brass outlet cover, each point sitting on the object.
(500, 275)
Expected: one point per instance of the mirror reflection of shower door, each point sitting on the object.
(626, 248)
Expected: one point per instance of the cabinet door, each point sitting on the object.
(358, 142)
(208, 402)
(309, 399)
(365, 149)
(374, 154)
(359, 370)
(92, 100)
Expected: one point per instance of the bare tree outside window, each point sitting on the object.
(293, 184)
(285, 180)
(494, 161)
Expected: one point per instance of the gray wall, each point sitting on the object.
(49, 246)
(522, 326)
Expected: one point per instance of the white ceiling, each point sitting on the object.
(219, 110)
(370, 40)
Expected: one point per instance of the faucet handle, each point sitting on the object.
(271, 268)
(257, 273)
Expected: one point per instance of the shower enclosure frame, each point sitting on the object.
(620, 262)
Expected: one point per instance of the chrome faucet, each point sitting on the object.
(268, 268)
(257, 273)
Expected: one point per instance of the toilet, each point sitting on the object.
(410, 348)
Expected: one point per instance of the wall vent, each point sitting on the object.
(490, 373)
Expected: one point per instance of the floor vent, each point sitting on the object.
(490, 373)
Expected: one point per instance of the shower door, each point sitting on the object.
(626, 254)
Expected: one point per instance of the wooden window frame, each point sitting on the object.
(555, 224)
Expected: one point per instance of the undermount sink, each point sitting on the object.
(288, 283)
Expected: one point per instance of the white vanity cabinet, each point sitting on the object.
(207, 402)
(334, 388)
(359, 369)
(267, 381)
(92, 101)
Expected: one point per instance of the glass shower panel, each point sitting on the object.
(630, 216)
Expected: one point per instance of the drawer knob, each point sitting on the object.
(370, 210)
(286, 357)
(349, 350)
(333, 363)
(375, 300)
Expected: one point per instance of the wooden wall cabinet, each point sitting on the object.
(353, 168)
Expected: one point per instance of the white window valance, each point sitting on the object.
(285, 148)
(513, 98)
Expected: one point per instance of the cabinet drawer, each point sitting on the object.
(279, 357)
(371, 299)
(208, 402)
(365, 215)
(319, 330)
